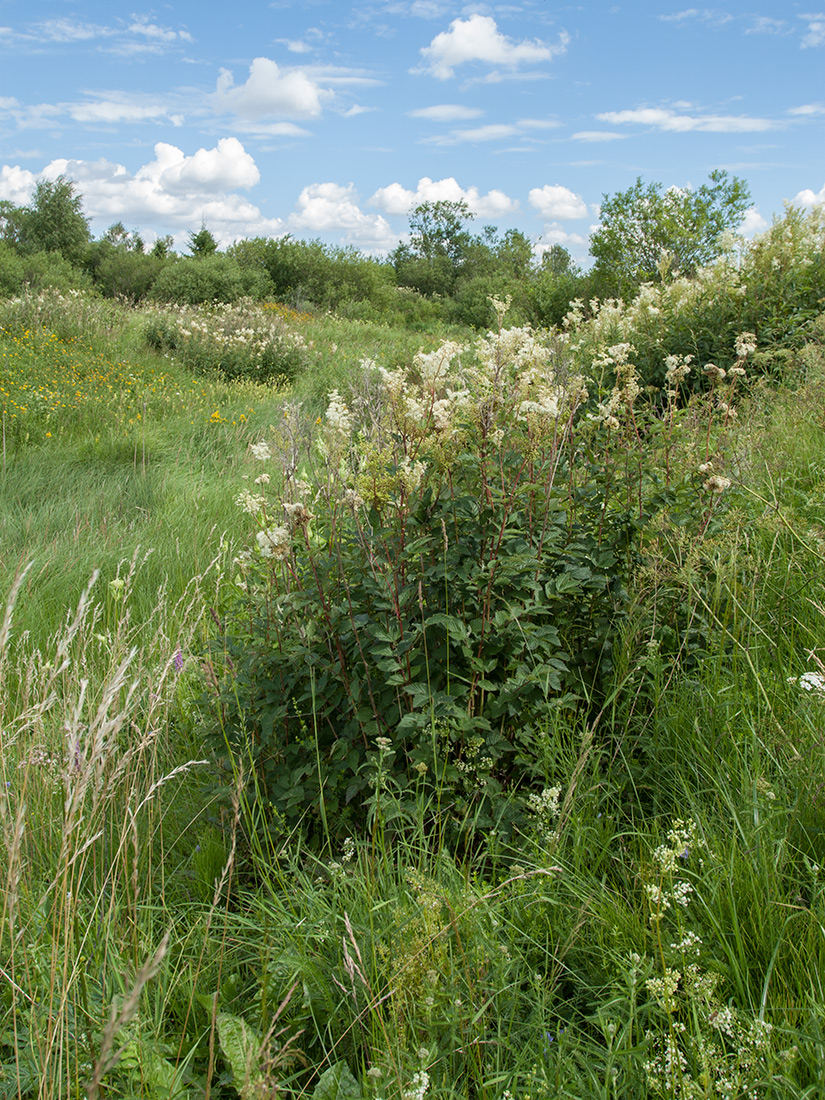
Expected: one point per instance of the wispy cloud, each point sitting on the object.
(129, 38)
(493, 131)
(597, 135)
(815, 32)
(670, 121)
(445, 112)
(808, 110)
(714, 16)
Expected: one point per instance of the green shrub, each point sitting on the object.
(774, 289)
(459, 575)
(195, 280)
(37, 271)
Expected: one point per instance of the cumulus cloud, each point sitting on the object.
(752, 223)
(396, 199)
(227, 167)
(478, 38)
(811, 198)
(555, 233)
(170, 194)
(330, 207)
(270, 91)
(16, 184)
(667, 120)
(445, 112)
(557, 202)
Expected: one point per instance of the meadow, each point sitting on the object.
(400, 714)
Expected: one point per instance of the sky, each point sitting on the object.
(332, 119)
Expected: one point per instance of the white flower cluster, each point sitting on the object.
(810, 682)
(274, 542)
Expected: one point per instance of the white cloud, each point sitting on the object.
(597, 135)
(155, 33)
(670, 121)
(555, 233)
(70, 30)
(752, 223)
(808, 110)
(713, 16)
(173, 193)
(479, 39)
(112, 107)
(270, 91)
(446, 112)
(139, 36)
(557, 202)
(16, 184)
(422, 9)
(763, 24)
(227, 167)
(815, 35)
(396, 199)
(811, 198)
(491, 132)
(494, 131)
(329, 207)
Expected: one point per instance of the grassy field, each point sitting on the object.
(653, 926)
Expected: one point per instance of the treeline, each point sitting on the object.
(444, 271)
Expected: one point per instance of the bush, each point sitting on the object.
(244, 340)
(774, 289)
(125, 274)
(38, 271)
(302, 272)
(458, 577)
(195, 280)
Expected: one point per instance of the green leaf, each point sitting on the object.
(241, 1048)
(337, 1083)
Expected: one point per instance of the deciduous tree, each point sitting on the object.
(647, 232)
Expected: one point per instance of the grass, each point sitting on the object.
(159, 938)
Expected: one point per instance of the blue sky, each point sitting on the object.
(332, 119)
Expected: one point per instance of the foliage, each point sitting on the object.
(54, 222)
(460, 575)
(161, 939)
(194, 280)
(644, 233)
(310, 272)
(772, 287)
(240, 341)
(202, 243)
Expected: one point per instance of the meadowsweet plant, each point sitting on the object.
(452, 553)
(240, 341)
(699, 1044)
(759, 300)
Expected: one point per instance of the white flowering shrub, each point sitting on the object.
(243, 340)
(451, 554)
(771, 288)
